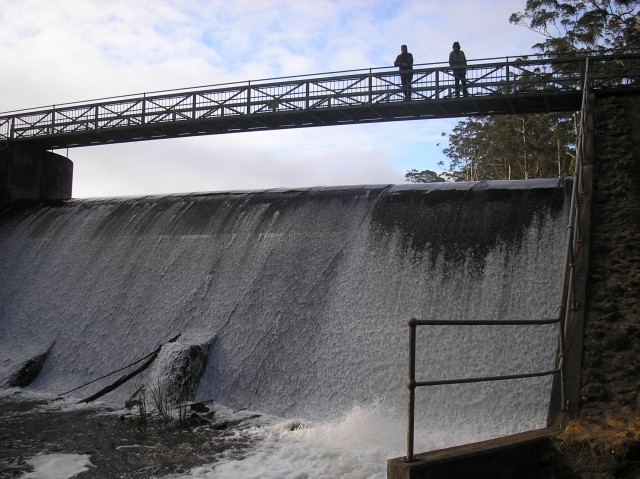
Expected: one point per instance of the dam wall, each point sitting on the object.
(300, 296)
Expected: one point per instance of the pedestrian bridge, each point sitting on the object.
(533, 84)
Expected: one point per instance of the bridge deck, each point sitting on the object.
(504, 87)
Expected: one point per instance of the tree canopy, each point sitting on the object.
(512, 147)
(424, 176)
(576, 25)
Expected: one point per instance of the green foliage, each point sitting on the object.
(425, 176)
(512, 147)
(574, 25)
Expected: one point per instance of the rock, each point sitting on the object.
(594, 392)
(199, 407)
(28, 372)
(617, 341)
(226, 424)
(182, 366)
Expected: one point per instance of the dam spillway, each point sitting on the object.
(301, 295)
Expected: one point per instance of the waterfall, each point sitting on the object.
(301, 295)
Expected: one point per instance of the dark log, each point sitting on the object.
(126, 377)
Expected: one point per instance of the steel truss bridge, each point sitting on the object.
(496, 86)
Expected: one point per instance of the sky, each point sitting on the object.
(60, 51)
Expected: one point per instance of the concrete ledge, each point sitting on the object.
(505, 457)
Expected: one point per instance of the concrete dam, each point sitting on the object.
(297, 299)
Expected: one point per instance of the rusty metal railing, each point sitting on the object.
(412, 384)
(569, 306)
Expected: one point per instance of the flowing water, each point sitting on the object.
(301, 299)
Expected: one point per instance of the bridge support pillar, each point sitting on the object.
(32, 174)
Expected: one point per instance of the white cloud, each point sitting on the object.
(71, 50)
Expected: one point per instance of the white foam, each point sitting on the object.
(57, 466)
(354, 446)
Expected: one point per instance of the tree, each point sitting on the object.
(512, 147)
(425, 176)
(577, 25)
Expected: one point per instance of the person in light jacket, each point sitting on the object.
(458, 63)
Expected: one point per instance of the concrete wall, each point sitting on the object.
(34, 175)
(509, 457)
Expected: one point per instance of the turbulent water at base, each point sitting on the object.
(303, 296)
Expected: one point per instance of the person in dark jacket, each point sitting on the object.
(458, 62)
(404, 62)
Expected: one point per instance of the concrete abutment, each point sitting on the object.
(32, 174)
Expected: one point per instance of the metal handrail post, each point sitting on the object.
(411, 386)
(143, 113)
(249, 97)
(307, 93)
(564, 405)
(577, 232)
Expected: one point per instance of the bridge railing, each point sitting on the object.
(363, 89)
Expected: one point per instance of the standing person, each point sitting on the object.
(458, 62)
(405, 63)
